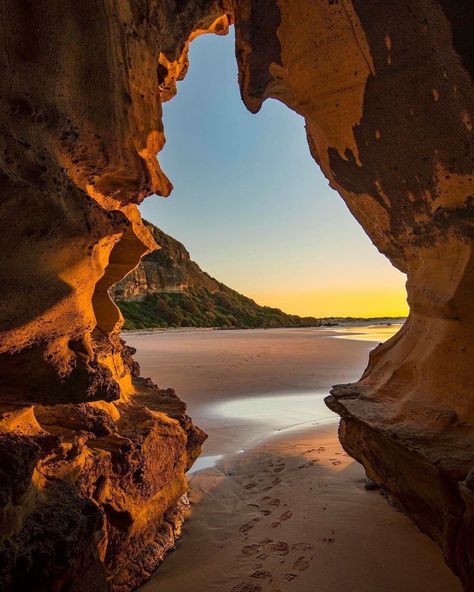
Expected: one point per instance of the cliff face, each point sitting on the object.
(168, 269)
(93, 459)
(168, 289)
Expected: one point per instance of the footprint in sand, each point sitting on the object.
(250, 550)
(248, 526)
(247, 587)
(250, 485)
(321, 449)
(335, 462)
(262, 574)
(301, 564)
(290, 576)
(278, 469)
(305, 466)
(286, 515)
(276, 524)
(281, 548)
(274, 501)
(265, 512)
(302, 547)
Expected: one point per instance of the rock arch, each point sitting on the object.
(386, 93)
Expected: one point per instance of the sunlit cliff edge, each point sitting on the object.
(169, 289)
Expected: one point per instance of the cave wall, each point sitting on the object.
(92, 457)
(89, 448)
(81, 95)
(386, 92)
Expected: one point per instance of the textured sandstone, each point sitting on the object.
(92, 458)
(102, 484)
(81, 127)
(168, 269)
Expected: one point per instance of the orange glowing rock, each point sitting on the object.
(92, 457)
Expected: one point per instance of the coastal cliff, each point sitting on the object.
(93, 457)
(168, 289)
(166, 270)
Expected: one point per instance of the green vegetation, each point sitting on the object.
(199, 307)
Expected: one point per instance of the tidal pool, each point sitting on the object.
(278, 412)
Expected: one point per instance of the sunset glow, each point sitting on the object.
(348, 301)
(253, 208)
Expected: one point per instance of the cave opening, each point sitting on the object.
(256, 211)
(253, 207)
(199, 211)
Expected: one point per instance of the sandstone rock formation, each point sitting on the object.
(92, 458)
(168, 269)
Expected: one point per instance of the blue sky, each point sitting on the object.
(252, 206)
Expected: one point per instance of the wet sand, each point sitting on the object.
(284, 508)
(207, 368)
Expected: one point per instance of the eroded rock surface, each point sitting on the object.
(92, 494)
(169, 269)
(93, 459)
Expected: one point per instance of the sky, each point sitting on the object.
(253, 208)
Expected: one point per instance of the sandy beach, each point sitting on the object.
(276, 504)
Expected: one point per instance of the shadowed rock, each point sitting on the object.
(386, 93)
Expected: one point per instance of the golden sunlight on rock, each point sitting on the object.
(93, 458)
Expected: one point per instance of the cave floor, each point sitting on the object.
(293, 515)
(290, 512)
